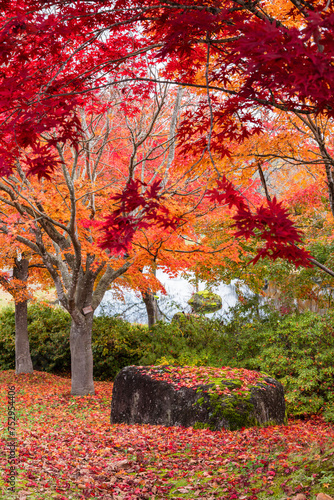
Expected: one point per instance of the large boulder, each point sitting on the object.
(205, 302)
(203, 397)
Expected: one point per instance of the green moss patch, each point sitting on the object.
(205, 302)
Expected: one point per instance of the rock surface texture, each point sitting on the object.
(205, 302)
(174, 396)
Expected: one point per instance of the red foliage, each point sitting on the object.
(270, 224)
(52, 56)
(140, 205)
(48, 62)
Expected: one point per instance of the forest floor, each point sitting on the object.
(65, 448)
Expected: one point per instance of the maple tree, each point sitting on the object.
(250, 58)
(291, 168)
(122, 166)
(242, 60)
(16, 278)
(242, 56)
(51, 216)
(17, 287)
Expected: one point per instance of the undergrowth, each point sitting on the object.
(296, 349)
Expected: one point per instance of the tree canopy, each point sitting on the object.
(107, 167)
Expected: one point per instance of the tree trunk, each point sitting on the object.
(23, 363)
(82, 355)
(151, 308)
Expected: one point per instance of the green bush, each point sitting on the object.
(299, 352)
(296, 349)
(115, 344)
(48, 330)
(7, 339)
(245, 332)
(187, 341)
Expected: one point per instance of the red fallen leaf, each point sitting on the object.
(208, 454)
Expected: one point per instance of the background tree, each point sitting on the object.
(115, 168)
(17, 279)
(15, 283)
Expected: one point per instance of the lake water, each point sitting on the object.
(178, 291)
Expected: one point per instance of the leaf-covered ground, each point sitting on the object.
(68, 450)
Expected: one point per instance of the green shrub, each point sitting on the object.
(299, 351)
(48, 330)
(7, 339)
(187, 341)
(296, 349)
(116, 343)
(246, 331)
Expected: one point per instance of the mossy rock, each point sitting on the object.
(205, 302)
(159, 395)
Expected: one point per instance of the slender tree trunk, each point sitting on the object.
(151, 307)
(23, 363)
(82, 355)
